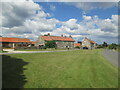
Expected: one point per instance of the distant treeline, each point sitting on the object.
(109, 46)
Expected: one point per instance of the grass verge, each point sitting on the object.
(72, 69)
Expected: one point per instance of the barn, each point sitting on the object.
(10, 42)
(61, 41)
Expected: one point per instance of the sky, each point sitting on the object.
(29, 19)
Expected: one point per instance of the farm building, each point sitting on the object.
(61, 41)
(90, 44)
(9, 42)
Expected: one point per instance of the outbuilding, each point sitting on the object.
(10, 42)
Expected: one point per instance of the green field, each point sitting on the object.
(118, 50)
(3, 51)
(71, 69)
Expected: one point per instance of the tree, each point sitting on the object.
(104, 44)
(113, 46)
(100, 46)
(50, 44)
(77, 47)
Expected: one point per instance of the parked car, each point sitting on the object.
(85, 47)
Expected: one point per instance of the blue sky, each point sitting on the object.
(65, 12)
(97, 21)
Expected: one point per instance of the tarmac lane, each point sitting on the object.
(112, 56)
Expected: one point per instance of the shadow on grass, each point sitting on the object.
(12, 72)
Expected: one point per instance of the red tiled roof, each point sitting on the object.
(8, 39)
(91, 41)
(77, 44)
(58, 38)
(47, 38)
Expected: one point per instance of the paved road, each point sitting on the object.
(111, 56)
(17, 52)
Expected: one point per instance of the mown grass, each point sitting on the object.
(72, 69)
(118, 50)
(2, 51)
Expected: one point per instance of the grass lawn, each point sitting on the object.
(2, 51)
(118, 50)
(72, 69)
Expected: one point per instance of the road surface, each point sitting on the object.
(111, 56)
(17, 52)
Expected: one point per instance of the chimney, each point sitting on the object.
(48, 34)
(70, 36)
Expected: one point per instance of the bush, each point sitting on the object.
(112, 46)
(104, 44)
(77, 47)
(99, 46)
(50, 44)
(43, 47)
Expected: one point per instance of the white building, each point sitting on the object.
(89, 43)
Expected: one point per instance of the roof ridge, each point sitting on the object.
(58, 36)
(49, 37)
(14, 37)
(90, 40)
(61, 36)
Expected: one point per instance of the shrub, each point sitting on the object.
(112, 46)
(50, 44)
(44, 47)
(99, 46)
(104, 44)
(77, 47)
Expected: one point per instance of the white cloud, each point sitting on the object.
(17, 13)
(87, 17)
(32, 27)
(25, 18)
(71, 23)
(108, 25)
(90, 27)
(115, 19)
(52, 7)
(32, 21)
(93, 5)
(16, 0)
(77, 0)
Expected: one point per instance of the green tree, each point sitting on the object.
(100, 46)
(50, 44)
(77, 47)
(104, 44)
(113, 46)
